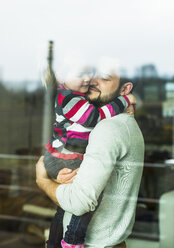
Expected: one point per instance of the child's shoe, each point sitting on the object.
(66, 245)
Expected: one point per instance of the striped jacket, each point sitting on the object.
(75, 118)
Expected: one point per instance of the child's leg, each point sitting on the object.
(76, 230)
(54, 165)
(56, 230)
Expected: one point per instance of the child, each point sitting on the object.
(75, 119)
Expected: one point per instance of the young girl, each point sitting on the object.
(75, 118)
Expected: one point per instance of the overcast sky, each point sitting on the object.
(136, 32)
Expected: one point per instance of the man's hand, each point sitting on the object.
(66, 176)
(49, 186)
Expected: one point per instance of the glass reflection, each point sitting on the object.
(25, 212)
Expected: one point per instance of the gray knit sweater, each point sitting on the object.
(113, 162)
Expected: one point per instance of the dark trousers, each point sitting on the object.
(56, 230)
(75, 233)
(76, 230)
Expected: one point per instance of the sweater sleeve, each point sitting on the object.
(102, 153)
(77, 109)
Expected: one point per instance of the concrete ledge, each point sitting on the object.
(139, 243)
(33, 209)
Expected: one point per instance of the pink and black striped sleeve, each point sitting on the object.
(77, 109)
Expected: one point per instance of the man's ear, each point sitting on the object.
(126, 89)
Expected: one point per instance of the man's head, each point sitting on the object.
(102, 90)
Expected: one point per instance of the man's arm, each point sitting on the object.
(103, 151)
(49, 186)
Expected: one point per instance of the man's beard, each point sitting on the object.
(102, 100)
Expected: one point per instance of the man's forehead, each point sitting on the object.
(109, 75)
(108, 65)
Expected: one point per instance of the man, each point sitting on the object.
(112, 164)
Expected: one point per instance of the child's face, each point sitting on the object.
(79, 84)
